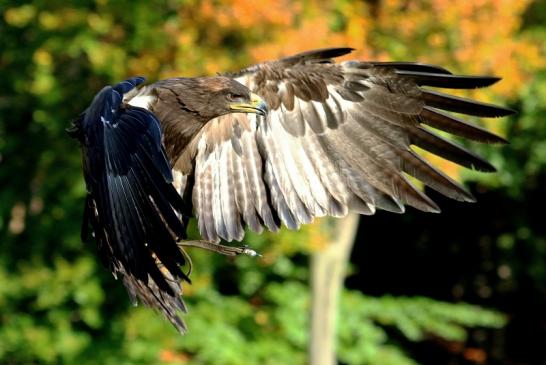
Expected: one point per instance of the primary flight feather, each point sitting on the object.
(278, 143)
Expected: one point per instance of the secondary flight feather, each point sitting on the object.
(278, 143)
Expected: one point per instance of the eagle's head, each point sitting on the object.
(210, 97)
(230, 96)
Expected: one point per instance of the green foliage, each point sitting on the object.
(44, 306)
(239, 309)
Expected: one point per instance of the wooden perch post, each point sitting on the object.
(327, 277)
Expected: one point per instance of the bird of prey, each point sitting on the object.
(277, 143)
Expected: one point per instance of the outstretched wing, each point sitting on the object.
(131, 203)
(337, 139)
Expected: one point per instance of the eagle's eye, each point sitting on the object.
(233, 96)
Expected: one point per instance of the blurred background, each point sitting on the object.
(467, 286)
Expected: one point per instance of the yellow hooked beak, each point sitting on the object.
(257, 105)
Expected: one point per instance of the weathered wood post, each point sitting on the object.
(327, 276)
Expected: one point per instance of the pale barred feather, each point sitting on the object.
(198, 193)
(353, 179)
(329, 177)
(293, 121)
(278, 198)
(302, 176)
(204, 179)
(218, 217)
(318, 197)
(253, 169)
(229, 209)
(244, 200)
(309, 161)
(280, 172)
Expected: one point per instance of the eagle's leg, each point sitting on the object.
(221, 249)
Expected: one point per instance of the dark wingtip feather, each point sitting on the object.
(418, 167)
(326, 52)
(435, 210)
(337, 52)
(318, 54)
(412, 66)
(448, 81)
(508, 111)
(421, 201)
(465, 106)
(449, 123)
(442, 147)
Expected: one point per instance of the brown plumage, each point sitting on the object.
(337, 138)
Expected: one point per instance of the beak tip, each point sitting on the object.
(263, 110)
(259, 104)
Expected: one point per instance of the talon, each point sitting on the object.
(250, 252)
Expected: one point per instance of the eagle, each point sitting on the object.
(277, 143)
